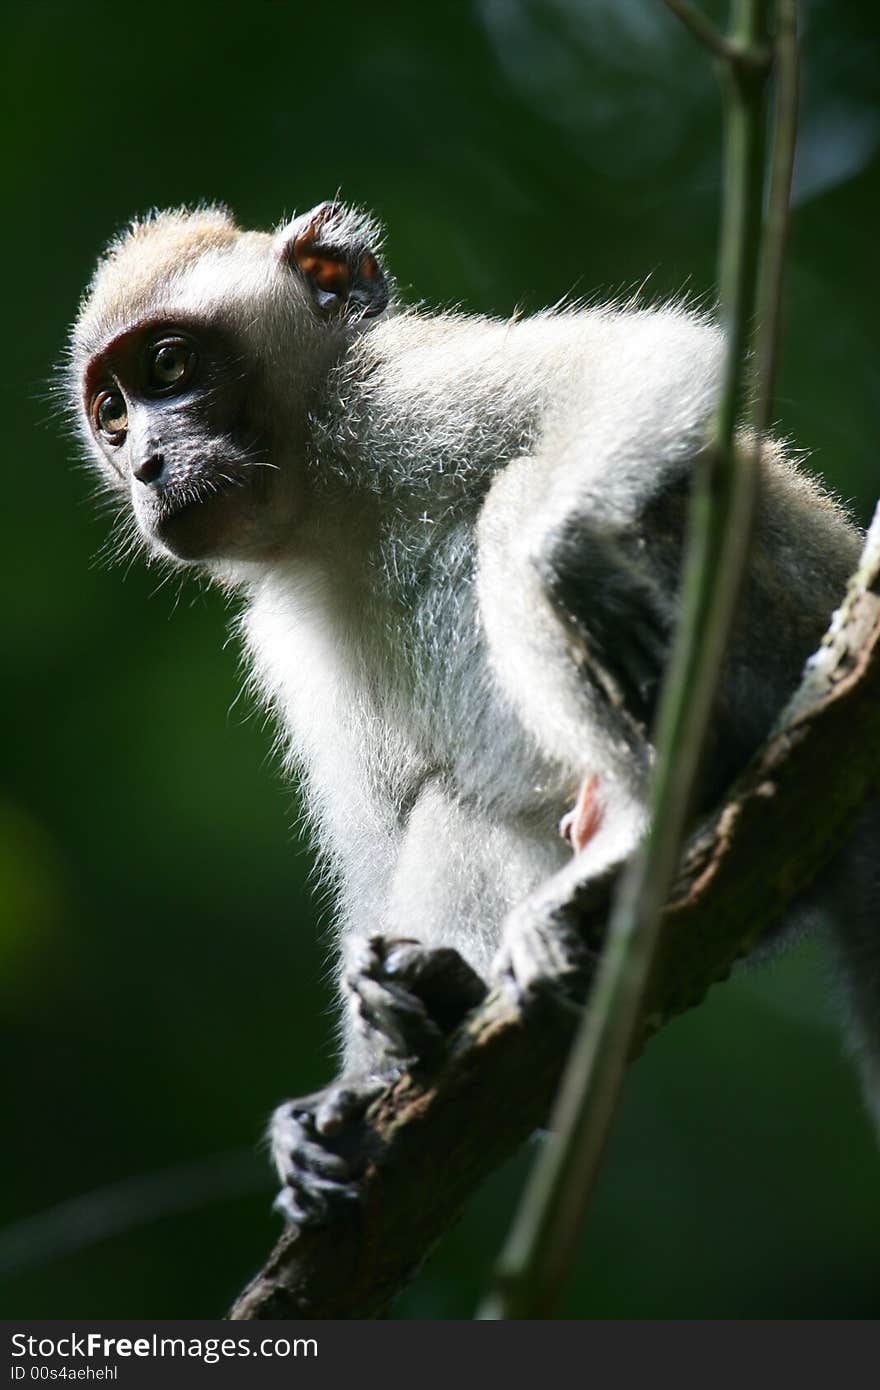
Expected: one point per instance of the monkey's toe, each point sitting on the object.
(412, 995)
(536, 958)
(318, 1149)
(543, 951)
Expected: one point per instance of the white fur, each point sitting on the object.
(396, 619)
(423, 679)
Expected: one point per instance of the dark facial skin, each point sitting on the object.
(171, 406)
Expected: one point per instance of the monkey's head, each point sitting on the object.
(196, 357)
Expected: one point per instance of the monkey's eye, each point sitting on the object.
(170, 364)
(110, 415)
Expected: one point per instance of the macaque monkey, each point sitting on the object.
(457, 541)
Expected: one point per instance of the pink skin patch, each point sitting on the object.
(580, 824)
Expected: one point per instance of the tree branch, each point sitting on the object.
(728, 50)
(433, 1139)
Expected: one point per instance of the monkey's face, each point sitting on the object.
(173, 408)
(197, 358)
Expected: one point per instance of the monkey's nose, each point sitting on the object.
(151, 469)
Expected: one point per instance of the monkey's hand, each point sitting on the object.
(543, 951)
(406, 999)
(318, 1149)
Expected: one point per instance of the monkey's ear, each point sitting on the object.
(330, 247)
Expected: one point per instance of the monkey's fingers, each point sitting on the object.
(413, 996)
(344, 1103)
(542, 950)
(318, 1151)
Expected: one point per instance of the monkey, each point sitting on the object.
(456, 540)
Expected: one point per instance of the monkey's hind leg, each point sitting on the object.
(405, 999)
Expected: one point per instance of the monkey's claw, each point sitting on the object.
(318, 1150)
(413, 996)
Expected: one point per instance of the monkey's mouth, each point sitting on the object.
(200, 516)
(179, 497)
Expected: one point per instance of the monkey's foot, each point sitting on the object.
(411, 996)
(407, 998)
(580, 824)
(318, 1148)
(543, 951)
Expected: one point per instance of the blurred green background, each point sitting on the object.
(162, 974)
